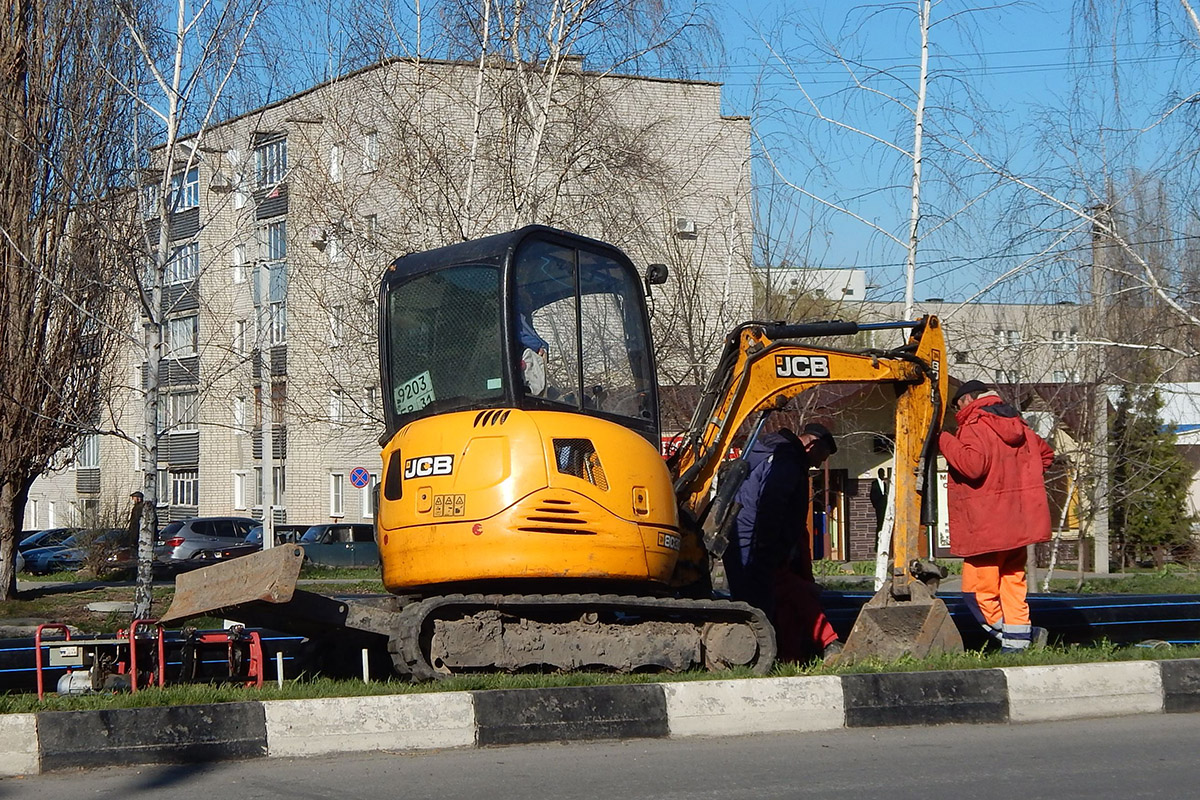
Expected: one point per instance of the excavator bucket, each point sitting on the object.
(889, 627)
(269, 575)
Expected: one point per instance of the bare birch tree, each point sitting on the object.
(189, 63)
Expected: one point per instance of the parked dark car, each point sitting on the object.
(106, 546)
(341, 545)
(72, 552)
(182, 540)
(285, 533)
(50, 537)
(338, 532)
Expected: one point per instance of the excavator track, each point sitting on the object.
(456, 634)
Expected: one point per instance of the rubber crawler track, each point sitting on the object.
(407, 645)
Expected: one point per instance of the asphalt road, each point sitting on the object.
(1131, 757)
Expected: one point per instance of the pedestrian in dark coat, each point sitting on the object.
(997, 501)
(768, 563)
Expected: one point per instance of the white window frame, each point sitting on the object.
(239, 490)
(185, 485)
(239, 414)
(258, 487)
(185, 191)
(370, 403)
(337, 494)
(336, 155)
(371, 227)
(183, 411)
(184, 264)
(370, 151)
(367, 491)
(238, 258)
(337, 327)
(336, 406)
(278, 316)
(275, 240)
(335, 249)
(51, 514)
(270, 163)
(185, 328)
(88, 456)
(279, 483)
(240, 328)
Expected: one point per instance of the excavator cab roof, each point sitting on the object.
(536, 318)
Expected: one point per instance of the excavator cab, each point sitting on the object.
(522, 419)
(533, 319)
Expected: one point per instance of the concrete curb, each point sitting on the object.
(35, 743)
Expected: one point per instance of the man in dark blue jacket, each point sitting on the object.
(769, 558)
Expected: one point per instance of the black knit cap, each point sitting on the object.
(822, 434)
(970, 387)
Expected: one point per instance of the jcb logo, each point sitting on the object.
(425, 466)
(802, 366)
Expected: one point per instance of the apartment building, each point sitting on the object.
(286, 217)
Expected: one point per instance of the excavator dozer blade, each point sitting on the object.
(889, 627)
(269, 576)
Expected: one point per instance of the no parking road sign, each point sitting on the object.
(360, 477)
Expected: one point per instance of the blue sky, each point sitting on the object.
(1021, 65)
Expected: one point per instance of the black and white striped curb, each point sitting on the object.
(34, 743)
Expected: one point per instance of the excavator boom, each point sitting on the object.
(762, 368)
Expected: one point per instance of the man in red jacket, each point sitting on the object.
(998, 505)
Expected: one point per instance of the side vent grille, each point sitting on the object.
(578, 457)
(556, 516)
(494, 416)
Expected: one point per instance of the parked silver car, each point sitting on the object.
(180, 541)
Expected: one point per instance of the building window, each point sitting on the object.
(370, 403)
(335, 250)
(185, 191)
(337, 315)
(239, 337)
(278, 314)
(372, 231)
(280, 486)
(278, 403)
(183, 487)
(149, 201)
(275, 239)
(239, 263)
(1008, 376)
(182, 412)
(1006, 337)
(184, 264)
(1066, 376)
(239, 415)
(337, 485)
(51, 515)
(270, 163)
(961, 356)
(335, 163)
(182, 335)
(1065, 340)
(370, 155)
(89, 452)
(335, 405)
(368, 497)
(239, 491)
(258, 487)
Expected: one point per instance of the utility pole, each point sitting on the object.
(1101, 252)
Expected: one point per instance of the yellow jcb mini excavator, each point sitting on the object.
(526, 519)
